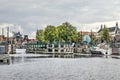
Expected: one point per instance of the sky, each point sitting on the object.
(26, 16)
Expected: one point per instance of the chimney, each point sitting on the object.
(104, 26)
(116, 24)
(101, 26)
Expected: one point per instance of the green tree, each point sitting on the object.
(50, 33)
(40, 35)
(67, 32)
(93, 37)
(60, 33)
(79, 37)
(105, 34)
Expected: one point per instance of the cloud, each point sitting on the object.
(29, 15)
(96, 26)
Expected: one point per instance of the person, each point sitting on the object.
(73, 44)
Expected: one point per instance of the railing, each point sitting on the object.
(50, 48)
(64, 48)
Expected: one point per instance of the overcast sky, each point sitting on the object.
(27, 16)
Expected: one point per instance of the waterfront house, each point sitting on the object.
(83, 33)
(113, 31)
(2, 37)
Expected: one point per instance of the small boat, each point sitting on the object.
(101, 49)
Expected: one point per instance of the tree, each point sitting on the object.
(105, 36)
(79, 37)
(67, 32)
(93, 37)
(61, 33)
(50, 34)
(40, 35)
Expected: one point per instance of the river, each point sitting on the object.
(83, 68)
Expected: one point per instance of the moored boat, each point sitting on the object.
(102, 49)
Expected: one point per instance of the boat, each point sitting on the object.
(101, 49)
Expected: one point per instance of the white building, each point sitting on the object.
(113, 31)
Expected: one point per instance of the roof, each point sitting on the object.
(17, 35)
(111, 29)
(86, 33)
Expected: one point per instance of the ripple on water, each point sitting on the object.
(97, 68)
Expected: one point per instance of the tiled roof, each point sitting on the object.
(86, 32)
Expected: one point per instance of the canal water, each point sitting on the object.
(80, 68)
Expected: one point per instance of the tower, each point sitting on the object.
(116, 24)
(101, 26)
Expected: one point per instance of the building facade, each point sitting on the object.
(113, 31)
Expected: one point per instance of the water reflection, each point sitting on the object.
(27, 58)
(82, 67)
(14, 60)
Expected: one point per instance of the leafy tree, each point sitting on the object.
(61, 33)
(93, 37)
(40, 35)
(79, 37)
(105, 34)
(67, 32)
(50, 34)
